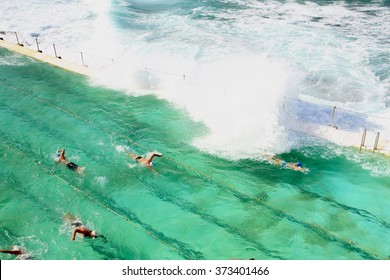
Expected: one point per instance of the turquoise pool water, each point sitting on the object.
(195, 206)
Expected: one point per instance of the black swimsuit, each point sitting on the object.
(72, 166)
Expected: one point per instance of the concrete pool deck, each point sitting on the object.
(80, 69)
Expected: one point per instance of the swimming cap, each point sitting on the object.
(94, 233)
(298, 164)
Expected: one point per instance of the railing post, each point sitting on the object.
(82, 58)
(17, 40)
(333, 114)
(55, 51)
(376, 143)
(36, 41)
(363, 139)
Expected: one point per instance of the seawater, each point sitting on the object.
(203, 83)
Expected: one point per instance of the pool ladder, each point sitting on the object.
(362, 143)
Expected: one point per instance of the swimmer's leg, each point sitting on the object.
(133, 156)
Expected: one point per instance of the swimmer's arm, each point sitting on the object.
(62, 152)
(74, 233)
(14, 252)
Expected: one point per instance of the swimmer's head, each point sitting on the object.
(77, 223)
(94, 233)
(298, 164)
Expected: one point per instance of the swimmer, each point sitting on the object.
(60, 158)
(87, 233)
(290, 165)
(84, 231)
(80, 228)
(148, 162)
(16, 250)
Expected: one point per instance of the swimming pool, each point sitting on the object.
(195, 206)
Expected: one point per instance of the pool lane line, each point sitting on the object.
(314, 227)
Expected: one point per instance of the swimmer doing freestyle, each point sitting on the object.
(147, 162)
(80, 229)
(290, 165)
(84, 231)
(60, 158)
